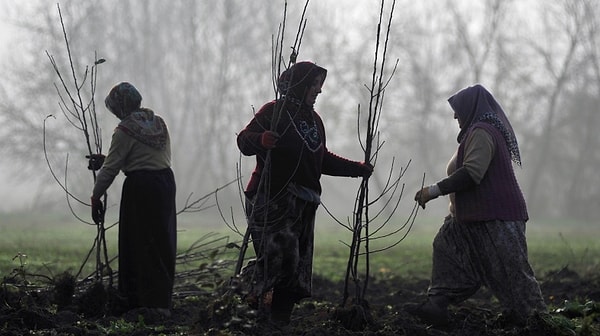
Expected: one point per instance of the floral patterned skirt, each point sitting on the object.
(493, 254)
(282, 232)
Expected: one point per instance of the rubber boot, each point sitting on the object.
(281, 309)
(433, 311)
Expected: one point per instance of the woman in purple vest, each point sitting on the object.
(287, 137)
(482, 241)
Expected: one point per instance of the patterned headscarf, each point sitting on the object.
(146, 127)
(474, 104)
(142, 124)
(123, 99)
(294, 82)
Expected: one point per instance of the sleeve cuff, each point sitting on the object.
(434, 190)
(458, 181)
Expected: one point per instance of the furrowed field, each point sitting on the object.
(565, 255)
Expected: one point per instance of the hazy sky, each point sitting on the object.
(7, 202)
(4, 32)
(20, 191)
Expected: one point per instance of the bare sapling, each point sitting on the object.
(279, 64)
(368, 225)
(78, 105)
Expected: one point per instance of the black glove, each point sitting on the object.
(97, 210)
(95, 161)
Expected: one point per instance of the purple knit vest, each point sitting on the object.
(498, 196)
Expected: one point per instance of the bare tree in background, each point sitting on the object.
(583, 119)
(445, 51)
(421, 44)
(198, 64)
(564, 22)
(27, 98)
(132, 35)
(478, 49)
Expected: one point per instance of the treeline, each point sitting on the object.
(206, 66)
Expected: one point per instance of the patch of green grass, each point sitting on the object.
(409, 258)
(60, 243)
(44, 246)
(555, 244)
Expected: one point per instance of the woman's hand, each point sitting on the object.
(97, 210)
(95, 161)
(269, 139)
(427, 194)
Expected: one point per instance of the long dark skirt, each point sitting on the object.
(147, 238)
(282, 231)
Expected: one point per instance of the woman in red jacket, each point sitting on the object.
(288, 139)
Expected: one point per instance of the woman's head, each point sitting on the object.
(123, 99)
(302, 81)
(468, 103)
(476, 104)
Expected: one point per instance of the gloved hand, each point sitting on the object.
(427, 194)
(97, 210)
(268, 139)
(95, 161)
(367, 169)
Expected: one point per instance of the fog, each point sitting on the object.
(205, 66)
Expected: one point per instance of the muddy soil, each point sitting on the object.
(64, 310)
